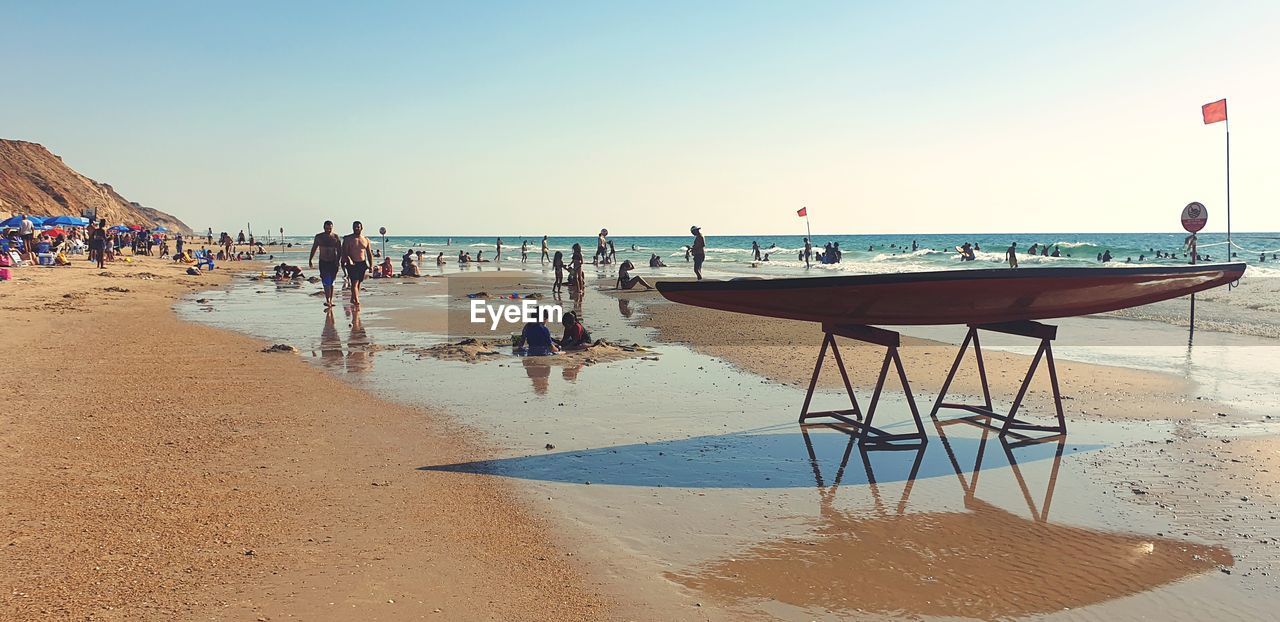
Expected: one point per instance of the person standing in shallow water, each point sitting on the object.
(1011, 255)
(698, 249)
(357, 257)
(544, 249)
(576, 262)
(330, 246)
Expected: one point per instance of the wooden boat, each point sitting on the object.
(985, 296)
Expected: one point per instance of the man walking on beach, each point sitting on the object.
(699, 250)
(357, 256)
(808, 251)
(1012, 255)
(545, 256)
(330, 246)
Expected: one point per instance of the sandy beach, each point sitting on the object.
(351, 476)
(162, 470)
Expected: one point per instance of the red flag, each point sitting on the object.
(1217, 111)
(802, 212)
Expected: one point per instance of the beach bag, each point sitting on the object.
(5, 262)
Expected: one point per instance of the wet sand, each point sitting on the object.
(153, 469)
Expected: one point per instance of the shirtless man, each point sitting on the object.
(357, 256)
(330, 246)
(545, 256)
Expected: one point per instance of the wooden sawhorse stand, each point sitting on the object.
(1010, 423)
(866, 433)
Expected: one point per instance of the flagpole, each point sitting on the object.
(1230, 248)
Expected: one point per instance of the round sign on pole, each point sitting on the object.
(1194, 216)
(383, 230)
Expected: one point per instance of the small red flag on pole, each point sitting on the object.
(802, 212)
(1214, 112)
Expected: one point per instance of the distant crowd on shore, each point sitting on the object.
(56, 241)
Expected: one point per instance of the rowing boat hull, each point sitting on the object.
(953, 296)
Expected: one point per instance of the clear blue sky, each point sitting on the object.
(524, 118)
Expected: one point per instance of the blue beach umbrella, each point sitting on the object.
(160, 229)
(15, 221)
(70, 221)
(120, 228)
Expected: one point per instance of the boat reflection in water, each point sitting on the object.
(983, 562)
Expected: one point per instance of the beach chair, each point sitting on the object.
(204, 261)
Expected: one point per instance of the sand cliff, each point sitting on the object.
(35, 181)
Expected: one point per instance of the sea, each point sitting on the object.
(730, 256)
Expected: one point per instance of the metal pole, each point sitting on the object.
(1195, 250)
(1230, 247)
(1191, 333)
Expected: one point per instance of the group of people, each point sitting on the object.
(55, 246)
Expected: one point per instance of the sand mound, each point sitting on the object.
(471, 350)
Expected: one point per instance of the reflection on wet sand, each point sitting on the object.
(359, 347)
(359, 350)
(330, 343)
(539, 370)
(983, 563)
(539, 374)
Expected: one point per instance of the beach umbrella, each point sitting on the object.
(160, 229)
(15, 221)
(135, 227)
(55, 232)
(120, 228)
(72, 221)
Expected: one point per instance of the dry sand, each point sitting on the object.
(152, 469)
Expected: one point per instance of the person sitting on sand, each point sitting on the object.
(535, 339)
(655, 261)
(386, 270)
(408, 267)
(626, 281)
(575, 336)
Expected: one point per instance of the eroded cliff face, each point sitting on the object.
(35, 181)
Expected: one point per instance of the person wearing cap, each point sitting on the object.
(698, 249)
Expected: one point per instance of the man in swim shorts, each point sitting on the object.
(357, 256)
(330, 246)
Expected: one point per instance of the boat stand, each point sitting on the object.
(863, 430)
(1010, 424)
